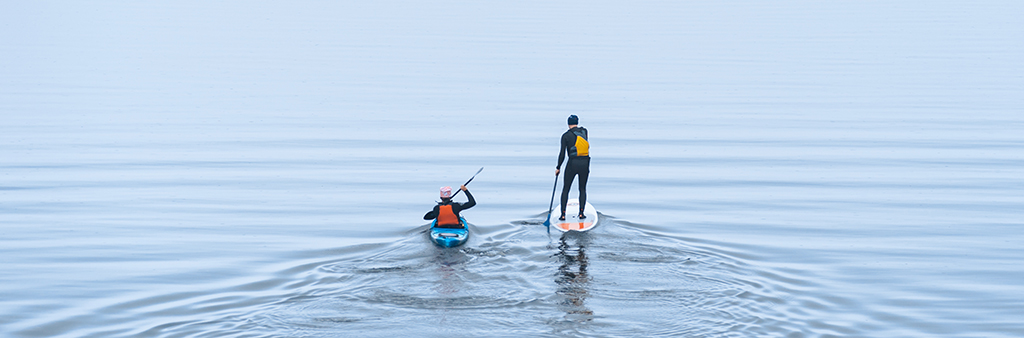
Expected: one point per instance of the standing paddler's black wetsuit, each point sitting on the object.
(575, 144)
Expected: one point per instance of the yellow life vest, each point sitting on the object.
(582, 146)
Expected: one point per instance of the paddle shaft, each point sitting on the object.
(551, 206)
(470, 180)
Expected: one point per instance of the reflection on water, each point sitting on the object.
(572, 278)
(450, 264)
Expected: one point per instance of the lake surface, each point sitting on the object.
(762, 169)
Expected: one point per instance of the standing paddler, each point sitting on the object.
(576, 144)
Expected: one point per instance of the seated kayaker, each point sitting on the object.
(446, 212)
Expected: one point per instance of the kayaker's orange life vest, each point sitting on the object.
(445, 215)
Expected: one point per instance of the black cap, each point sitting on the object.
(573, 119)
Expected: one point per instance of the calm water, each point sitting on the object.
(249, 169)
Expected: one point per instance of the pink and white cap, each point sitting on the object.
(446, 192)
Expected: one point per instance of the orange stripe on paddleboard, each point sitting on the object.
(574, 226)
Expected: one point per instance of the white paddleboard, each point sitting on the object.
(572, 221)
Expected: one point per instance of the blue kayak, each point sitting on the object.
(448, 237)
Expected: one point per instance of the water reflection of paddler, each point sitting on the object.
(447, 212)
(573, 280)
(451, 265)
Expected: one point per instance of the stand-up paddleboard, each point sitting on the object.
(449, 237)
(572, 221)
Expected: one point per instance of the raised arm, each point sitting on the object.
(472, 201)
